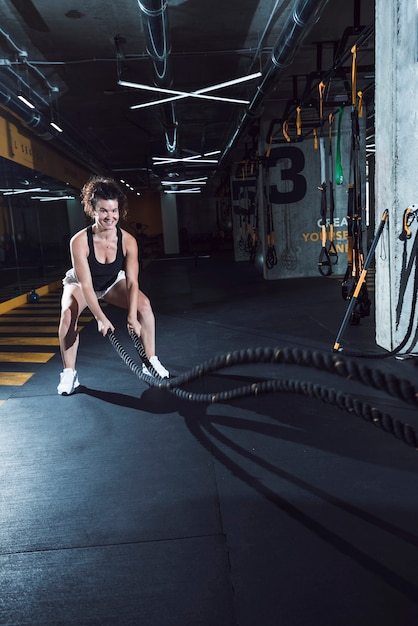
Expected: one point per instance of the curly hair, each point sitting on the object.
(104, 188)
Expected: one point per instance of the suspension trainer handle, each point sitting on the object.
(409, 215)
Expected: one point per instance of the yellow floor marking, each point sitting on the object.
(34, 330)
(29, 319)
(26, 318)
(29, 341)
(14, 378)
(26, 357)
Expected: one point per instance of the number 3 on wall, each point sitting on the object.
(296, 161)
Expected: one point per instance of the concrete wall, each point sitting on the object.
(285, 186)
(396, 171)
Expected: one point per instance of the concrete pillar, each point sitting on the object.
(396, 126)
(170, 223)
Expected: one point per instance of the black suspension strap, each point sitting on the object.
(271, 254)
(355, 256)
(242, 212)
(250, 242)
(332, 250)
(339, 174)
(359, 286)
(410, 214)
(324, 261)
(331, 363)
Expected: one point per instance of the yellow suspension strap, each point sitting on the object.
(409, 215)
(357, 293)
(353, 75)
(269, 147)
(285, 130)
(355, 260)
(315, 139)
(321, 89)
(298, 121)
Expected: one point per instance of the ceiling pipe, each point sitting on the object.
(155, 22)
(30, 117)
(304, 15)
(40, 125)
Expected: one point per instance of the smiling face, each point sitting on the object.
(106, 214)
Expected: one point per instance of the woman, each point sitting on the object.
(104, 267)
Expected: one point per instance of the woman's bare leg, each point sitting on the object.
(118, 296)
(72, 305)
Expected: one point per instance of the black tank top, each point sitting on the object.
(104, 274)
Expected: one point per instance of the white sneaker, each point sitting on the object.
(68, 382)
(160, 369)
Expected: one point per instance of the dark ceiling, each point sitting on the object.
(68, 56)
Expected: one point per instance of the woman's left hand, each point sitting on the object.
(134, 327)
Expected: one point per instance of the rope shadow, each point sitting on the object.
(208, 436)
(203, 428)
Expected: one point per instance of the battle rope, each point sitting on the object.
(331, 363)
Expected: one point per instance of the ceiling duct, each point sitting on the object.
(304, 15)
(155, 22)
(30, 117)
(39, 122)
(40, 125)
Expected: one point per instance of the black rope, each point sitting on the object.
(331, 363)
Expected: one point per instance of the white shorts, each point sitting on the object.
(70, 278)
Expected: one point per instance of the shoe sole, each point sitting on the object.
(66, 393)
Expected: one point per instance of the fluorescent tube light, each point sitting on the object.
(55, 125)
(25, 101)
(199, 93)
(191, 190)
(52, 198)
(15, 192)
(144, 105)
(186, 161)
(197, 158)
(192, 181)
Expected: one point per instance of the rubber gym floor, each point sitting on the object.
(128, 504)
